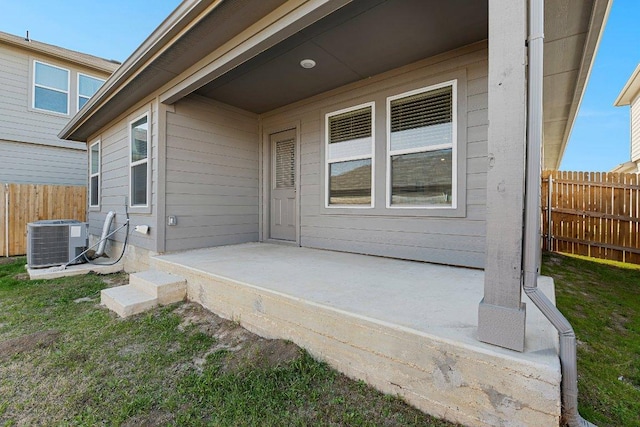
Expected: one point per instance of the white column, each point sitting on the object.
(501, 315)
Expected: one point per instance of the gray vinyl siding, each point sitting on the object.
(30, 150)
(211, 175)
(18, 120)
(114, 181)
(635, 130)
(40, 164)
(457, 241)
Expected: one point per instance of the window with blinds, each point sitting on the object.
(349, 156)
(420, 147)
(285, 164)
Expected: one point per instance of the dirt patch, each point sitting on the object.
(22, 276)
(7, 260)
(245, 349)
(154, 418)
(262, 354)
(28, 342)
(619, 322)
(117, 279)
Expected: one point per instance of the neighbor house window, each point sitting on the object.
(421, 128)
(139, 161)
(349, 157)
(87, 86)
(94, 174)
(50, 88)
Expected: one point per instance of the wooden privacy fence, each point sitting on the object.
(21, 204)
(595, 214)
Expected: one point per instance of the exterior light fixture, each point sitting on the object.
(307, 63)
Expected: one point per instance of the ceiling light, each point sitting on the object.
(307, 63)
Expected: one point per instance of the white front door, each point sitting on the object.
(283, 185)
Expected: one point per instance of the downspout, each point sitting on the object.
(531, 249)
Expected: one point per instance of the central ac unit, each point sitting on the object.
(55, 242)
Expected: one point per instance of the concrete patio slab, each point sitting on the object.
(408, 328)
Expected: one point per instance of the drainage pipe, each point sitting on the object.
(531, 250)
(105, 230)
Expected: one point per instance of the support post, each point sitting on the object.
(501, 314)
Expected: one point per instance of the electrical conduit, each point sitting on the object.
(531, 252)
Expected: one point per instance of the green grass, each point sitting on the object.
(601, 299)
(66, 361)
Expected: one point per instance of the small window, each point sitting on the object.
(50, 88)
(349, 157)
(139, 162)
(87, 87)
(94, 174)
(421, 148)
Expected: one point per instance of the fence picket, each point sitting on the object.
(31, 202)
(594, 214)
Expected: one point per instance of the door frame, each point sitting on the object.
(265, 181)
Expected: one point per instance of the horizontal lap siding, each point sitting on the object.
(39, 164)
(30, 151)
(18, 121)
(212, 175)
(115, 182)
(458, 241)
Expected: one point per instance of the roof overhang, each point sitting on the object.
(630, 90)
(572, 34)
(89, 61)
(197, 40)
(206, 45)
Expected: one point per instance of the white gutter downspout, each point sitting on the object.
(531, 249)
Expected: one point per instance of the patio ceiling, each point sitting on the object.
(362, 39)
(349, 40)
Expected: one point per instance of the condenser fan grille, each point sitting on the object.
(55, 242)
(49, 245)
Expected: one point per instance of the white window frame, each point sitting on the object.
(97, 174)
(327, 162)
(139, 162)
(34, 85)
(78, 88)
(453, 145)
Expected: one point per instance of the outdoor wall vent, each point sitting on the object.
(55, 242)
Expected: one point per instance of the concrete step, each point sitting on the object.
(167, 288)
(127, 300)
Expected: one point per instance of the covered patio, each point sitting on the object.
(409, 328)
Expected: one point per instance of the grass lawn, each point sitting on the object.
(64, 360)
(601, 299)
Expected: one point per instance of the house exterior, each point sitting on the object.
(387, 128)
(630, 95)
(41, 88)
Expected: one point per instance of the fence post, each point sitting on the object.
(6, 219)
(549, 198)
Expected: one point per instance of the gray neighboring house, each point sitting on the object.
(630, 95)
(41, 88)
(393, 129)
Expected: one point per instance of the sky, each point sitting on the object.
(113, 29)
(600, 138)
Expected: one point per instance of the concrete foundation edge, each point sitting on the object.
(438, 377)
